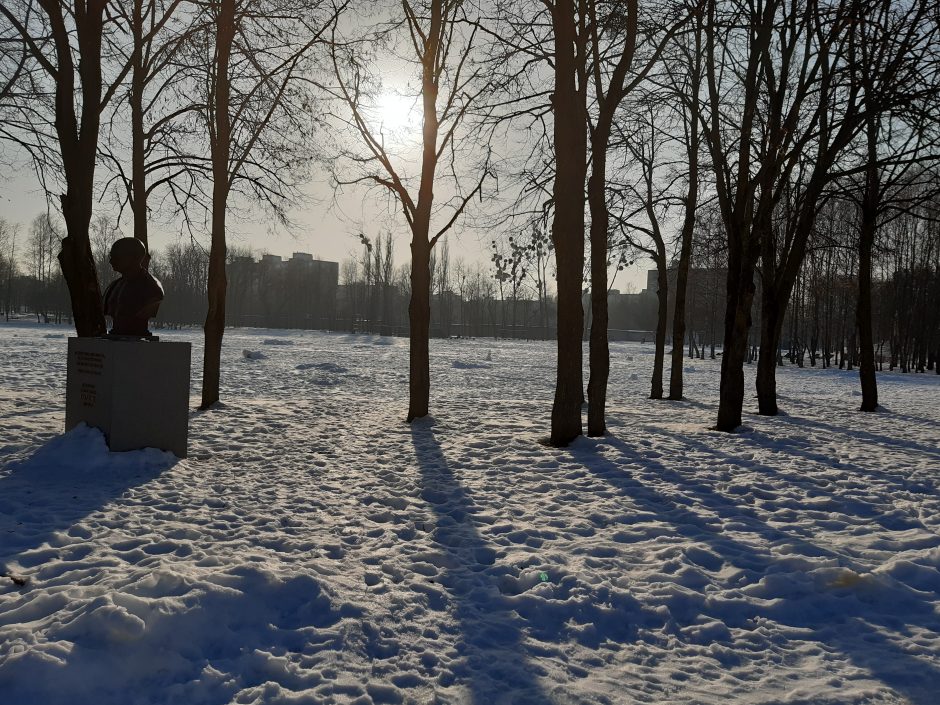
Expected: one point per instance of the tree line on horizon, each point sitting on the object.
(795, 142)
(468, 300)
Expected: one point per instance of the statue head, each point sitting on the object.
(128, 255)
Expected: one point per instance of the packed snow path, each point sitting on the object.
(316, 549)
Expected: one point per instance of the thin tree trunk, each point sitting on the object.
(771, 323)
(214, 327)
(419, 307)
(866, 242)
(688, 223)
(138, 173)
(662, 295)
(866, 358)
(678, 316)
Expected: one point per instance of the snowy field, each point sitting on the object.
(316, 549)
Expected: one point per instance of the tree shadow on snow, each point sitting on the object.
(495, 659)
(44, 497)
(863, 436)
(849, 616)
(813, 485)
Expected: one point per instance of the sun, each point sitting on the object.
(397, 114)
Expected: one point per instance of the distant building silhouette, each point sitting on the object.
(300, 292)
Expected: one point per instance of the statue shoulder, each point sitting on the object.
(155, 284)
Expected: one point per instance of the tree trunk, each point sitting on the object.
(78, 268)
(662, 294)
(419, 319)
(678, 316)
(599, 355)
(568, 225)
(866, 243)
(740, 286)
(688, 223)
(419, 307)
(771, 322)
(214, 327)
(866, 342)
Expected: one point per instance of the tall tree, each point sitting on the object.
(440, 41)
(897, 63)
(645, 139)
(763, 65)
(220, 137)
(256, 118)
(158, 100)
(615, 32)
(684, 78)
(68, 48)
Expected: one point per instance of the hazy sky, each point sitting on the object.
(325, 228)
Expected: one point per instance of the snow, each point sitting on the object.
(314, 548)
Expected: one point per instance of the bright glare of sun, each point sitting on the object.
(395, 113)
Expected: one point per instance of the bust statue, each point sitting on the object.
(132, 299)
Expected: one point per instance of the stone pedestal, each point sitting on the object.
(135, 391)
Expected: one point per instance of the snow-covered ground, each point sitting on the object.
(316, 549)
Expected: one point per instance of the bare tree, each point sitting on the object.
(159, 104)
(617, 32)
(440, 41)
(765, 65)
(569, 138)
(684, 78)
(897, 68)
(15, 75)
(645, 139)
(255, 121)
